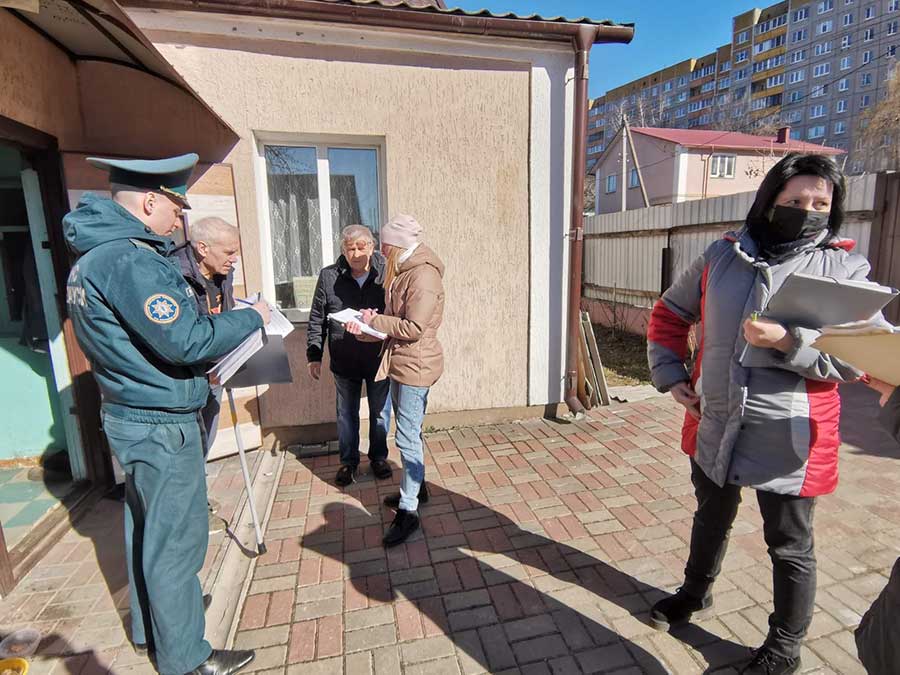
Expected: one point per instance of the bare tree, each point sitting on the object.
(589, 194)
(880, 129)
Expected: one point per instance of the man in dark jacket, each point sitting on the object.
(354, 281)
(148, 347)
(207, 263)
(878, 635)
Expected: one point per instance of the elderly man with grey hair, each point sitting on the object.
(354, 281)
(207, 263)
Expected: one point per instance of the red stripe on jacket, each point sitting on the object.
(824, 438)
(668, 330)
(691, 423)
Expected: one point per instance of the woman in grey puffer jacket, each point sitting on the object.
(762, 405)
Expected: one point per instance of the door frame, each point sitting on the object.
(41, 152)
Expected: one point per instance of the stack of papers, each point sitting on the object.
(229, 364)
(345, 316)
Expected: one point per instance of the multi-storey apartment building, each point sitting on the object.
(815, 65)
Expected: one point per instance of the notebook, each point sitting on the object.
(809, 301)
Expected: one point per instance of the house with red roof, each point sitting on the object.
(665, 166)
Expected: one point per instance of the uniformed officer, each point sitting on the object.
(137, 322)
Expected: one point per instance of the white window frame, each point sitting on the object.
(840, 127)
(841, 106)
(816, 111)
(843, 84)
(722, 166)
(822, 69)
(817, 131)
(825, 6)
(846, 62)
(801, 14)
(322, 143)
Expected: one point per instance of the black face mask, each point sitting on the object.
(788, 228)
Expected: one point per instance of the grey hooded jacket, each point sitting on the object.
(768, 420)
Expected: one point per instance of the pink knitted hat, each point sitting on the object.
(401, 231)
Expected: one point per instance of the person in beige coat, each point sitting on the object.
(412, 355)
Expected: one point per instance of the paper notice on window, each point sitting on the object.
(345, 316)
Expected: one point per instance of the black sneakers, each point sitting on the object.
(381, 469)
(405, 523)
(393, 500)
(678, 609)
(345, 475)
(765, 662)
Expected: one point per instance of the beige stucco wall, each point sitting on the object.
(455, 135)
(38, 85)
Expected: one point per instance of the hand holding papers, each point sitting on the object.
(345, 316)
(229, 364)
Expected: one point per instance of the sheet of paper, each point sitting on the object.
(345, 316)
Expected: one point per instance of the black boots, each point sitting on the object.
(678, 609)
(766, 662)
(405, 523)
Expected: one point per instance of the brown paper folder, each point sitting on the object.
(877, 354)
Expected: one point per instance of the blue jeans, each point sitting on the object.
(349, 392)
(166, 533)
(409, 410)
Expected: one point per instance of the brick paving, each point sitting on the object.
(77, 596)
(542, 549)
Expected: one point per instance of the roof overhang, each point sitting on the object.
(401, 15)
(100, 30)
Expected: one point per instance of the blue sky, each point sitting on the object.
(665, 32)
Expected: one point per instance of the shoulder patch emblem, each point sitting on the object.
(161, 308)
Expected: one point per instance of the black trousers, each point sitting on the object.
(788, 532)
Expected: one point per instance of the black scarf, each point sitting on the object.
(786, 230)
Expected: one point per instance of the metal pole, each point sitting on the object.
(260, 544)
(623, 188)
(582, 45)
(637, 166)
